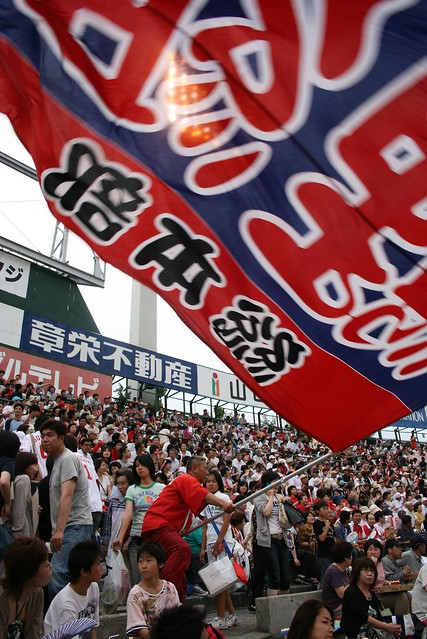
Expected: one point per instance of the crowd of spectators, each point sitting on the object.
(373, 491)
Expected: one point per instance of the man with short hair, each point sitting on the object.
(13, 423)
(69, 503)
(412, 557)
(393, 571)
(405, 532)
(237, 463)
(171, 514)
(355, 524)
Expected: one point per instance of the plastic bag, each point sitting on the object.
(116, 583)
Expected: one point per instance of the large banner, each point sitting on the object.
(261, 165)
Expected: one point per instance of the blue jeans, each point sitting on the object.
(60, 575)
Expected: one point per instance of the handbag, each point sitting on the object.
(294, 515)
(218, 576)
(243, 559)
(283, 517)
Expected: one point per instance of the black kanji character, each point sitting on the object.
(188, 268)
(118, 194)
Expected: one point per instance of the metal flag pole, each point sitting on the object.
(278, 482)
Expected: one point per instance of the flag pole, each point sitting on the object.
(277, 482)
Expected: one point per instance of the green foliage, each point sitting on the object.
(122, 397)
(219, 412)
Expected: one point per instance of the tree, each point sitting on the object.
(122, 397)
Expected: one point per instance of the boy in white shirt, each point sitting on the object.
(80, 598)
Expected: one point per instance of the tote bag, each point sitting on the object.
(218, 576)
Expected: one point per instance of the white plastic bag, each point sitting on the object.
(116, 583)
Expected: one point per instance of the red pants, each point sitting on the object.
(178, 556)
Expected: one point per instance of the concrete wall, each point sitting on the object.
(275, 613)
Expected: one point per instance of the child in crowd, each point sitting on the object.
(80, 598)
(152, 595)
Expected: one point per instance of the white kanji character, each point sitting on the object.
(148, 366)
(48, 337)
(118, 355)
(85, 346)
(178, 374)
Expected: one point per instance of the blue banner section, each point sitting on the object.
(418, 419)
(90, 350)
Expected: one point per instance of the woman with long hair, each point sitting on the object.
(21, 596)
(139, 498)
(215, 535)
(271, 547)
(312, 620)
(26, 471)
(104, 481)
(361, 609)
(124, 457)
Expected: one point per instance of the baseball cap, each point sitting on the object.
(391, 543)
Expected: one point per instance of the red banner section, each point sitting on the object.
(34, 369)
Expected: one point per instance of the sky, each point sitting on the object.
(26, 219)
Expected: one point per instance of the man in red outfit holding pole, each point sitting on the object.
(171, 514)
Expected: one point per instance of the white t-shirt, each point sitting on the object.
(237, 465)
(93, 489)
(419, 595)
(69, 606)
(211, 511)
